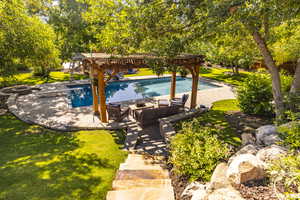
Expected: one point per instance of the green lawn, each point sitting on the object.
(28, 78)
(226, 105)
(212, 73)
(37, 163)
(218, 74)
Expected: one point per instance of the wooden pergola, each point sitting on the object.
(98, 63)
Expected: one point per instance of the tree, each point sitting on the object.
(234, 50)
(72, 31)
(25, 40)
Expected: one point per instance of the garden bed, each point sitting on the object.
(232, 123)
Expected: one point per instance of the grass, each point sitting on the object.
(212, 73)
(215, 119)
(226, 105)
(37, 163)
(218, 74)
(29, 79)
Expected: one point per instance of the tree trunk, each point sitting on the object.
(296, 83)
(276, 83)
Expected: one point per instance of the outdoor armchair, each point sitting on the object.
(180, 101)
(116, 113)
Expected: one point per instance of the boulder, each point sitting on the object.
(267, 135)
(271, 153)
(219, 179)
(228, 193)
(195, 190)
(199, 194)
(248, 138)
(248, 149)
(243, 168)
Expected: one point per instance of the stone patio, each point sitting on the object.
(53, 110)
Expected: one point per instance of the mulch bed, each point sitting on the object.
(259, 190)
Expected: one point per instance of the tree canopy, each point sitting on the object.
(25, 40)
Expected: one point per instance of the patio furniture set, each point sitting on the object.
(147, 113)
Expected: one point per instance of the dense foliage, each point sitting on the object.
(255, 95)
(73, 33)
(25, 41)
(195, 152)
(290, 133)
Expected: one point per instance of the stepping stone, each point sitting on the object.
(139, 166)
(141, 174)
(131, 184)
(141, 194)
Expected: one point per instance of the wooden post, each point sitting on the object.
(101, 92)
(195, 75)
(94, 90)
(173, 85)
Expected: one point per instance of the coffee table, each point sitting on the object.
(133, 107)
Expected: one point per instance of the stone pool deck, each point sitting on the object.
(50, 106)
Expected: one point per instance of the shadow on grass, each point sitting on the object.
(37, 163)
(119, 137)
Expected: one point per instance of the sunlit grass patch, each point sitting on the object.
(226, 105)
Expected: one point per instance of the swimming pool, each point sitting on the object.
(133, 89)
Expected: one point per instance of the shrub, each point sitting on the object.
(195, 152)
(290, 133)
(285, 173)
(255, 95)
(286, 82)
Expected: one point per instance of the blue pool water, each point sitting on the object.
(133, 90)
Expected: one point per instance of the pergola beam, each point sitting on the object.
(101, 92)
(173, 85)
(94, 90)
(195, 76)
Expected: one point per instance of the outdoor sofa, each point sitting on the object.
(150, 116)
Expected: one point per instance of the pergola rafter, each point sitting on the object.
(98, 63)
